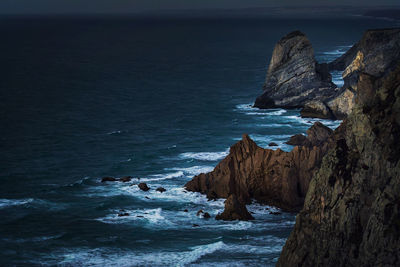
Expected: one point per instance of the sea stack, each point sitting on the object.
(294, 77)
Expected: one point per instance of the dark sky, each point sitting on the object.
(133, 6)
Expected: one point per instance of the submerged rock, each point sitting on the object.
(234, 210)
(108, 179)
(351, 215)
(161, 189)
(125, 179)
(272, 144)
(294, 77)
(143, 186)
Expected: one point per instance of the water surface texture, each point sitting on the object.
(159, 100)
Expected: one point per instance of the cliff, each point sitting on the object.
(351, 214)
(272, 177)
(294, 77)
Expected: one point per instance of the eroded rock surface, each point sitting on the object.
(351, 215)
(294, 77)
(234, 210)
(272, 177)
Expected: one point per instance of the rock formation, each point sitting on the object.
(376, 54)
(294, 77)
(234, 210)
(351, 215)
(272, 177)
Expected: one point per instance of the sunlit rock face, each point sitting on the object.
(351, 214)
(294, 77)
(376, 54)
(272, 177)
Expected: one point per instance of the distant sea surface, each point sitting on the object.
(159, 100)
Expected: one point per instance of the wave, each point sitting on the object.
(205, 156)
(151, 215)
(108, 257)
(194, 170)
(5, 203)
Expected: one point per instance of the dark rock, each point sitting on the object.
(294, 77)
(185, 210)
(234, 210)
(139, 216)
(195, 225)
(147, 198)
(144, 187)
(123, 214)
(206, 215)
(351, 215)
(199, 212)
(125, 179)
(317, 109)
(108, 179)
(272, 144)
(161, 189)
(298, 140)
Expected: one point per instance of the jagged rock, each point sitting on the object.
(143, 186)
(161, 189)
(272, 177)
(234, 210)
(272, 144)
(351, 215)
(108, 179)
(317, 109)
(206, 215)
(199, 212)
(298, 140)
(317, 135)
(123, 214)
(376, 54)
(294, 77)
(185, 210)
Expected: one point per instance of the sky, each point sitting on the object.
(138, 6)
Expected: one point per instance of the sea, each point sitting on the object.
(160, 100)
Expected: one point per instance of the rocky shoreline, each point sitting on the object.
(348, 179)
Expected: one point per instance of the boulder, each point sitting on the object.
(143, 186)
(161, 189)
(108, 179)
(234, 210)
(298, 140)
(125, 179)
(294, 77)
(272, 144)
(317, 109)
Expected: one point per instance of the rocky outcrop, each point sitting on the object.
(272, 177)
(294, 77)
(317, 135)
(234, 210)
(376, 54)
(351, 215)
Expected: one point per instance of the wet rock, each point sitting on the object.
(123, 214)
(206, 215)
(108, 179)
(195, 225)
(294, 77)
(272, 144)
(144, 187)
(234, 210)
(125, 179)
(185, 210)
(161, 189)
(199, 212)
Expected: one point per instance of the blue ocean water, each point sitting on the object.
(159, 100)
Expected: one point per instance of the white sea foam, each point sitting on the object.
(4, 203)
(151, 215)
(194, 170)
(205, 156)
(105, 257)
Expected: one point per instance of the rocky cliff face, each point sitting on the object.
(376, 54)
(273, 177)
(294, 77)
(351, 215)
